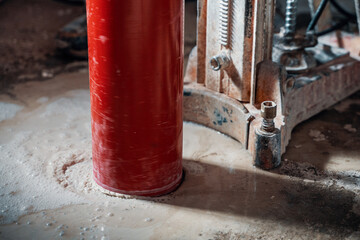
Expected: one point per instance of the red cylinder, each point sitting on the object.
(136, 71)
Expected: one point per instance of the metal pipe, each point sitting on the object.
(136, 71)
(317, 15)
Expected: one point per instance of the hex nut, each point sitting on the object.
(268, 109)
(220, 61)
(215, 63)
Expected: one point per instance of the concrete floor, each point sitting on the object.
(47, 192)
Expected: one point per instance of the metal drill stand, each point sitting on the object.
(233, 86)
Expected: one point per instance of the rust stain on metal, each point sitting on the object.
(249, 18)
(248, 47)
(201, 41)
(268, 83)
(217, 111)
(253, 78)
(192, 66)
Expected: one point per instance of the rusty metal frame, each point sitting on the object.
(217, 111)
(298, 96)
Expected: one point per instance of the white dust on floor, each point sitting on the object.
(45, 144)
(39, 144)
(8, 110)
(45, 177)
(46, 163)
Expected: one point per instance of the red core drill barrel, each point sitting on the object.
(136, 71)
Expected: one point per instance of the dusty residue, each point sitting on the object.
(8, 110)
(47, 191)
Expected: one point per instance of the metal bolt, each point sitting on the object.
(268, 112)
(290, 19)
(220, 61)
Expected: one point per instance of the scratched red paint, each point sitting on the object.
(136, 72)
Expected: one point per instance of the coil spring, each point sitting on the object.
(224, 22)
(290, 18)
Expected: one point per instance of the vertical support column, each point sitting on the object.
(136, 72)
(201, 41)
(213, 47)
(262, 39)
(249, 42)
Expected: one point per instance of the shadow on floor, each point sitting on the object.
(264, 195)
(282, 195)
